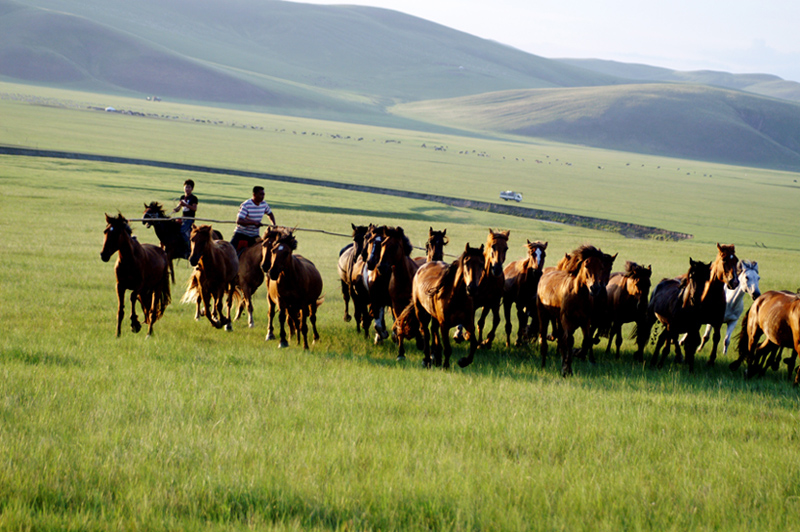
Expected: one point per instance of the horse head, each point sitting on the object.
(434, 248)
(271, 236)
(495, 253)
(281, 253)
(395, 248)
(152, 211)
(748, 277)
(117, 227)
(470, 268)
(638, 281)
(724, 267)
(536, 254)
(694, 284)
(372, 243)
(200, 238)
(359, 232)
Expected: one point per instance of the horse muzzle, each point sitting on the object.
(496, 269)
(733, 284)
(194, 260)
(105, 258)
(472, 289)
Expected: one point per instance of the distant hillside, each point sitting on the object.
(689, 121)
(351, 53)
(763, 84)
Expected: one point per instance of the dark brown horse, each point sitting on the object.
(442, 297)
(168, 233)
(675, 303)
(347, 261)
(215, 277)
(296, 286)
(566, 297)
(434, 247)
(370, 288)
(627, 298)
(712, 307)
(492, 284)
(141, 268)
(776, 315)
(521, 286)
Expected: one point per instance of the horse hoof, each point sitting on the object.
(228, 327)
(426, 364)
(378, 339)
(283, 344)
(347, 318)
(710, 363)
(464, 362)
(269, 337)
(401, 358)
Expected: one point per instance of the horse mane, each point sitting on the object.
(398, 233)
(451, 270)
(156, 206)
(496, 235)
(634, 271)
(572, 262)
(288, 239)
(119, 220)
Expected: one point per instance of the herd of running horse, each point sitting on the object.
(429, 296)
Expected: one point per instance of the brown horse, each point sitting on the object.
(776, 315)
(141, 268)
(216, 274)
(712, 307)
(395, 262)
(434, 247)
(442, 297)
(566, 297)
(296, 286)
(347, 261)
(521, 286)
(370, 288)
(675, 303)
(251, 275)
(627, 298)
(492, 284)
(168, 233)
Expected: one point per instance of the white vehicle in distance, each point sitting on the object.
(510, 195)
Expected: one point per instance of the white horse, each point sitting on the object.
(748, 284)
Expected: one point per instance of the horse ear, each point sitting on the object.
(444, 232)
(430, 231)
(545, 246)
(528, 240)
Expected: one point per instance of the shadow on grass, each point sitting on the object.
(37, 358)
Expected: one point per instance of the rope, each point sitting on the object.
(324, 232)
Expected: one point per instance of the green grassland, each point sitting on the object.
(196, 428)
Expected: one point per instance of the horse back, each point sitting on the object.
(777, 314)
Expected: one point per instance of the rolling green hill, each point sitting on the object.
(689, 121)
(354, 63)
(763, 84)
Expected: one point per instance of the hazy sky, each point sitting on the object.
(740, 36)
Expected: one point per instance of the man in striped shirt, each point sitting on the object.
(249, 220)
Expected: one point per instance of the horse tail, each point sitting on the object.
(192, 289)
(162, 295)
(320, 300)
(743, 338)
(407, 324)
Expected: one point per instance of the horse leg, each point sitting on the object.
(587, 345)
(346, 297)
(495, 324)
(380, 326)
(616, 332)
(150, 313)
(312, 316)
(120, 308)
(424, 319)
(507, 314)
(705, 337)
(303, 329)
(282, 324)
(657, 361)
(566, 343)
(522, 320)
(543, 324)
(207, 308)
(135, 325)
(715, 344)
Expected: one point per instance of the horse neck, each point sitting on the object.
(129, 248)
(162, 230)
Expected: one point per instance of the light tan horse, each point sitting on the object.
(712, 307)
(442, 297)
(215, 277)
(491, 285)
(520, 289)
(141, 268)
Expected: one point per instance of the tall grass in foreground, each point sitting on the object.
(201, 429)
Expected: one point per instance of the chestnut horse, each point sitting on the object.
(492, 284)
(347, 260)
(627, 298)
(216, 274)
(676, 304)
(712, 306)
(442, 297)
(141, 268)
(251, 275)
(566, 297)
(776, 315)
(296, 286)
(168, 233)
(521, 285)
(395, 262)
